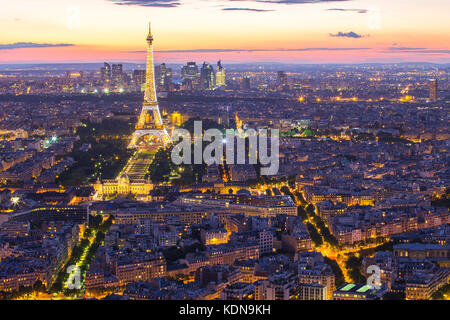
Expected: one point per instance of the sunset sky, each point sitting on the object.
(294, 31)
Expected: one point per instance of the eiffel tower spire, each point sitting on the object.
(150, 122)
(150, 90)
(150, 31)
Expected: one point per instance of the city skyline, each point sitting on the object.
(303, 32)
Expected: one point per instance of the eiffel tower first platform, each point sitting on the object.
(150, 131)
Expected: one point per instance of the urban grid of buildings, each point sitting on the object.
(363, 181)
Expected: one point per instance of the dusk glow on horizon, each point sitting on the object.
(235, 31)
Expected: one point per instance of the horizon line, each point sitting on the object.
(232, 63)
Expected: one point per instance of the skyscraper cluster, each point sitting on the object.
(113, 75)
(205, 78)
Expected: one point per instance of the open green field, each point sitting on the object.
(138, 165)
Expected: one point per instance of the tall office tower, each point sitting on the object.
(190, 71)
(168, 78)
(163, 76)
(246, 83)
(207, 77)
(117, 72)
(105, 72)
(220, 75)
(139, 77)
(160, 73)
(282, 79)
(433, 89)
(150, 127)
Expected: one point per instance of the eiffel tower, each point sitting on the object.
(150, 125)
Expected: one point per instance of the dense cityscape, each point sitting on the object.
(92, 205)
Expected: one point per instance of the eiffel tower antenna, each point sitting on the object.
(150, 123)
(150, 30)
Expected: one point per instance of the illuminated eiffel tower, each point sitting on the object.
(150, 130)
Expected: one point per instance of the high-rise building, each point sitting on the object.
(207, 77)
(433, 89)
(163, 76)
(220, 75)
(117, 75)
(159, 74)
(246, 83)
(190, 71)
(117, 70)
(139, 77)
(168, 78)
(105, 72)
(282, 79)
